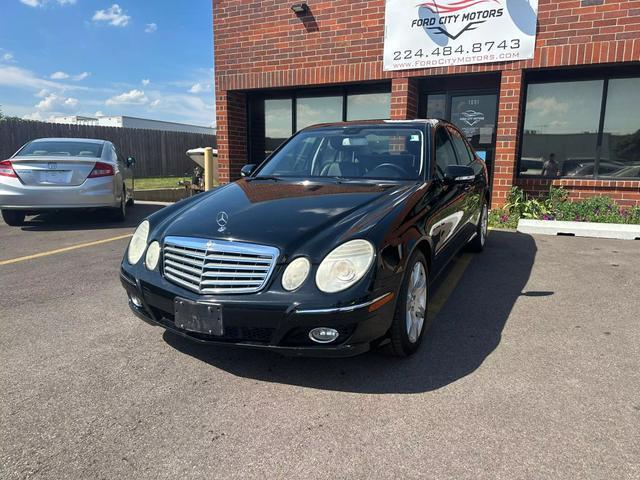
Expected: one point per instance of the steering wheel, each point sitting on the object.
(393, 166)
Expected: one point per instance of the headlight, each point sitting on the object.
(295, 274)
(138, 243)
(153, 255)
(345, 266)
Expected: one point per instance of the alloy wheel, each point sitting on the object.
(484, 224)
(416, 302)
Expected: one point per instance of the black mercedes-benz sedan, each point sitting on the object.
(326, 248)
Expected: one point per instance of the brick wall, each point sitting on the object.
(263, 44)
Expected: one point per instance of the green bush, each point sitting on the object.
(557, 206)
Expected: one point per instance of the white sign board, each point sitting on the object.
(440, 33)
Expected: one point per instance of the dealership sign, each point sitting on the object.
(437, 33)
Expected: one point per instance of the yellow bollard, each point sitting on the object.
(208, 168)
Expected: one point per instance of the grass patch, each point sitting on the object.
(158, 182)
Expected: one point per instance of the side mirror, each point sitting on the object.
(247, 170)
(459, 174)
(131, 162)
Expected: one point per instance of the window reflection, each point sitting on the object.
(437, 106)
(369, 106)
(314, 110)
(620, 157)
(278, 121)
(561, 129)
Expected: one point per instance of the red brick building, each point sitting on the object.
(575, 105)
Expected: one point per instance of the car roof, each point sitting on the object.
(368, 123)
(79, 140)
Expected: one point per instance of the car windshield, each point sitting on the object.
(376, 153)
(62, 149)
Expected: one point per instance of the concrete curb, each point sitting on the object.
(615, 231)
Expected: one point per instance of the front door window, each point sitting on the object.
(475, 116)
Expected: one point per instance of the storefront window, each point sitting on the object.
(278, 121)
(561, 129)
(620, 157)
(437, 106)
(314, 110)
(369, 106)
(275, 117)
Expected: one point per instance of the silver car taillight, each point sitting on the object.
(6, 169)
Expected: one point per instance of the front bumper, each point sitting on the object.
(93, 193)
(268, 322)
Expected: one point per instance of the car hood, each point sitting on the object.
(287, 215)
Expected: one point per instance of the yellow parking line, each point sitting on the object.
(448, 285)
(62, 250)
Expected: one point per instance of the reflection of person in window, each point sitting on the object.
(551, 169)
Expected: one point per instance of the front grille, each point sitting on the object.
(217, 266)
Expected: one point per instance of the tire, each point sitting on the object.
(131, 202)
(13, 218)
(120, 213)
(409, 323)
(478, 242)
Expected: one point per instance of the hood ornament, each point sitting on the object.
(222, 219)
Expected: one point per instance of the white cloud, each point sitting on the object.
(183, 108)
(42, 93)
(81, 76)
(55, 102)
(114, 16)
(11, 76)
(99, 113)
(151, 27)
(41, 3)
(59, 76)
(146, 81)
(548, 105)
(200, 87)
(132, 97)
(34, 116)
(7, 57)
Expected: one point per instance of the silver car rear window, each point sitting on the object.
(61, 148)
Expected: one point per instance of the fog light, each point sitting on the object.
(135, 300)
(323, 335)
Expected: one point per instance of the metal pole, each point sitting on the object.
(208, 168)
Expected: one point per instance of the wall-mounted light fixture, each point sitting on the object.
(300, 8)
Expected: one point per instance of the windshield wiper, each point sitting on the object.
(265, 177)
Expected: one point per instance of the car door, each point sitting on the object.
(472, 191)
(444, 229)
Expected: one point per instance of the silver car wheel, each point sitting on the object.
(416, 302)
(484, 224)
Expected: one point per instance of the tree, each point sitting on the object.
(3, 117)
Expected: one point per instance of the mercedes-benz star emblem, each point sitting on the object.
(222, 219)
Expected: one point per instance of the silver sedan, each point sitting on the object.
(64, 173)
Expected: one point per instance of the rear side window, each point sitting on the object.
(465, 157)
(445, 155)
(61, 149)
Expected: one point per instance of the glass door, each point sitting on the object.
(474, 113)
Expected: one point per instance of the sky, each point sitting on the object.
(143, 58)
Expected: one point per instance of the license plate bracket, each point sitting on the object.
(205, 318)
(58, 177)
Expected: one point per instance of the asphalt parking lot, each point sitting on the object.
(531, 370)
